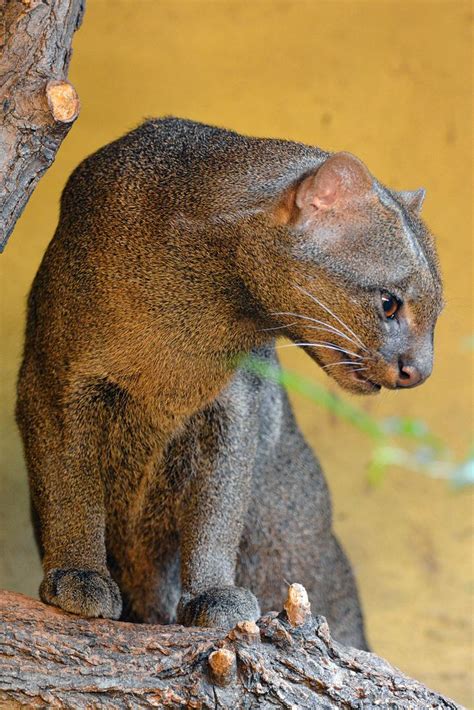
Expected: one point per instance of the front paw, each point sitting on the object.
(220, 607)
(82, 592)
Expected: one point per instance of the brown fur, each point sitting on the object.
(158, 466)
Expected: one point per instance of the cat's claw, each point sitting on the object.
(83, 592)
(220, 607)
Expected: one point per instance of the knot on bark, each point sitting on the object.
(223, 666)
(246, 631)
(297, 606)
(63, 101)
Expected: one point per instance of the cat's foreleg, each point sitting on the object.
(211, 526)
(68, 500)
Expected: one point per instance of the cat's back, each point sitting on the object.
(171, 165)
(156, 153)
(123, 208)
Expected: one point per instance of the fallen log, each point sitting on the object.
(49, 658)
(39, 105)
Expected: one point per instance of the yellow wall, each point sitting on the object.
(389, 81)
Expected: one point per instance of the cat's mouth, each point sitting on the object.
(352, 376)
(368, 384)
(352, 370)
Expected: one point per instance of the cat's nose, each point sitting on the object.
(409, 376)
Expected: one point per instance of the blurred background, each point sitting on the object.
(389, 81)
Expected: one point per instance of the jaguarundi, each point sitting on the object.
(168, 482)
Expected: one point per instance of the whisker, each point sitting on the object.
(332, 328)
(354, 369)
(329, 329)
(328, 310)
(342, 362)
(318, 345)
(277, 327)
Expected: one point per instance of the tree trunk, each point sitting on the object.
(49, 658)
(38, 103)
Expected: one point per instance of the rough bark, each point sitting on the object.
(49, 658)
(39, 105)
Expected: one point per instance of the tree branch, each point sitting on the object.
(39, 105)
(49, 658)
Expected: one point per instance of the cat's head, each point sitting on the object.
(354, 277)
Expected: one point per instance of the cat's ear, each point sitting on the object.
(413, 199)
(341, 177)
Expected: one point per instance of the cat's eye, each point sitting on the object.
(390, 304)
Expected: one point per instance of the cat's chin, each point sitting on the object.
(364, 387)
(354, 382)
(350, 378)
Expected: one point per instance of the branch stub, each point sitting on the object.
(297, 606)
(223, 665)
(245, 631)
(63, 101)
